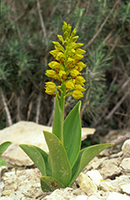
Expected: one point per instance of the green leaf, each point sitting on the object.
(72, 134)
(4, 146)
(50, 184)
(60, 165)
(57, 128)
(85, 156)
(45, 156)
(2, 162)
(37, 155)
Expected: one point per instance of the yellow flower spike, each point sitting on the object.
(67, 66)
(74, 72)
(77, 94)
(50, 88)
(69, 85)
(79, 87)
(79, 80)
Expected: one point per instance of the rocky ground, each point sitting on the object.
(106, 177)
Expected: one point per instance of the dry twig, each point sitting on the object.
(117, 106)
(102, 25)
(41, 20)
(8, 116)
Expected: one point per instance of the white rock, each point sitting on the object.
(61, 194)
(81, 197)
(123, 179)
(95, 176)
(92, 197)
(106, 186)
(126, 188)
(119, 181)
(6, 198)
(125, 164)
(126, 149)
(117, 196)
(86, 184)
(98, 180)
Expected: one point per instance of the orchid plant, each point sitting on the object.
(61, 166)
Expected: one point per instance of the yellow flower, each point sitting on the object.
(74, 39)
(62, 74)
(58, 46)
(79, 87)
(74, 72)
(60, 57)
(77, 45)
(77, 94)
(79, 80)
(60, 38)
(69, 85)
(55, 65)
(70, 63)
(78, 56)
(50, 88)
(80, 65)
(50, 73)
(54, 53)
(80, 51)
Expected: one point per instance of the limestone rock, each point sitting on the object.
(98, 180)
(95, 176)
(86, 184)
(106, 186)
(125, 164)
(93, 197)
(126, 188)
(21, 184)
(81, 197)
(117, 196)
(61, 194)
(110, 168)
(119, 182)
(126, 149)
(27, 133)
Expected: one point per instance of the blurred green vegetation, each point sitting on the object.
(27, 29)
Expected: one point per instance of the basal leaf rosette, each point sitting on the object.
(67, 65)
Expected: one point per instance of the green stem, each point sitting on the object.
(62, 98)
(62, 104)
